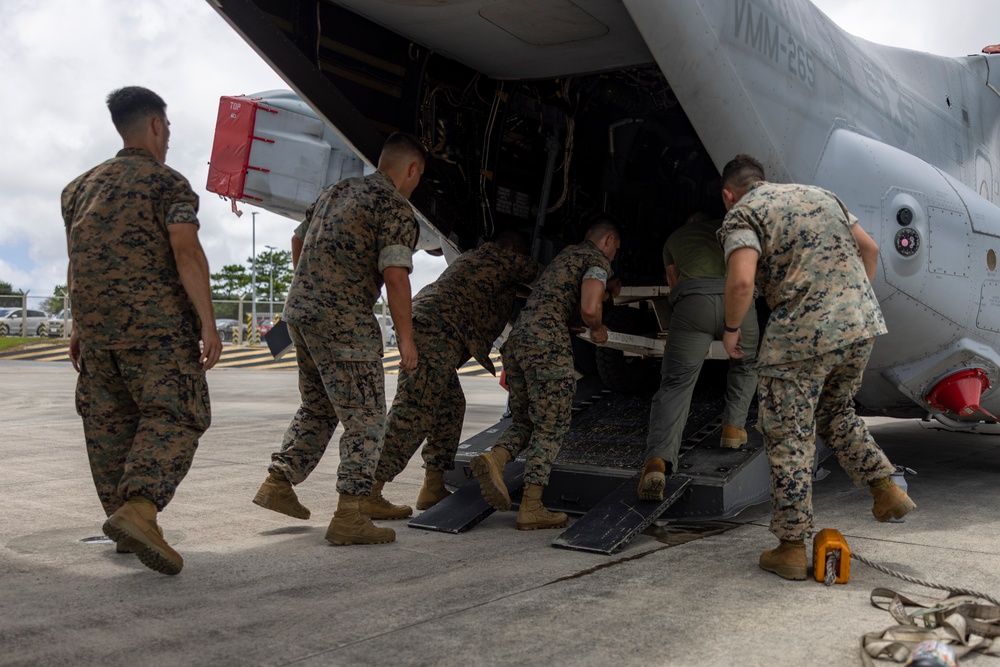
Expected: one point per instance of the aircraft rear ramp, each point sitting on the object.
(596, 472)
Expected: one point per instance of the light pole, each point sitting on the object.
(253, 280)
(270, 289)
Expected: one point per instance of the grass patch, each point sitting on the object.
(12, 342)
(7, 342)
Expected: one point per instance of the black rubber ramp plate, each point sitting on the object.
(614, 521)
(466, 506)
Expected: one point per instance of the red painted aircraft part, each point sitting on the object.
(959, 392)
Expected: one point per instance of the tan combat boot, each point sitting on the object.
(276, 494)
(891, 502)
(733, 437)
(433, 491)
(788, 560)
(377, 507)
(532, 514)
(653, 479)
(127, 545)
(488, 469)
(136, 519)
(350, 526)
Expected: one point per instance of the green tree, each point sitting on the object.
(280, 262)
(231, 283)
(55, 303)
(11, 301)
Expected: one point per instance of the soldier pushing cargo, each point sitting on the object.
(139, 284)
(814, 265)
(538, 360)
(359, 233)
(696, 274)
(457, 316)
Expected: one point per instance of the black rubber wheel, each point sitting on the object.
(621, 373)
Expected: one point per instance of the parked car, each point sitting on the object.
(58, 321)
(263, 326)
(231, 330)
(10, 322)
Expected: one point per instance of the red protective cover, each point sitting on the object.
(227, 170)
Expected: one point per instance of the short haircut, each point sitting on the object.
(600, 226)
(514, 240)
(133, 104)
(400, 148)
(741, 172)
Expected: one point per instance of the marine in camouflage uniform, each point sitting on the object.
(131, 225)
(538, 361)
(358, 231)
(813, 264)
(457, 316)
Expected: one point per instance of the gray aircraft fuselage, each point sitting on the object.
(909, 141)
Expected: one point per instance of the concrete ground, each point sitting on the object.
(259, 588)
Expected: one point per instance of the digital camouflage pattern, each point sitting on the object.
(126, 290)
(803, 399)
(541, 405)
(354, 231)
(334, 391)
(475, 295)
(458, 315)
(141, 390)
(538, 359)
(809, 270)
(554, 303)
(143, 411)
(429, 403)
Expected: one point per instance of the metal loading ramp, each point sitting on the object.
(596, 474)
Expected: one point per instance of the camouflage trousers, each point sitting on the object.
(334, 392)
(429, 403)
(541, 404)
(696, 321)
(143, 412)
(799, 401)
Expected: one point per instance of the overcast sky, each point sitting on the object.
(60, 58)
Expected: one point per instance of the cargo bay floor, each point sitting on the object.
(259, 588)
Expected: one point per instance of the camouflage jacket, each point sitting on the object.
(554, 303)
(474, 296)
(355, 230)
(809, 270)
(126, 291)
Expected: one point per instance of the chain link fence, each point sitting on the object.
(240, 322)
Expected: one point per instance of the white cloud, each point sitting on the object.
(60, 58)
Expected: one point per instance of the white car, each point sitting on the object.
(60, 320)
(11, 321)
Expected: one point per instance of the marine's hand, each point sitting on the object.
(731, 341)
(614, 287)
(407, 355)
(212, 346)
(599, 335)
(74, 350)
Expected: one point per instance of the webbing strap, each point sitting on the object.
(961, 621)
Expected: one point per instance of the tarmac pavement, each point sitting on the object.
(259, 588)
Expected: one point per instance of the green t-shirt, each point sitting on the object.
(695, 251)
